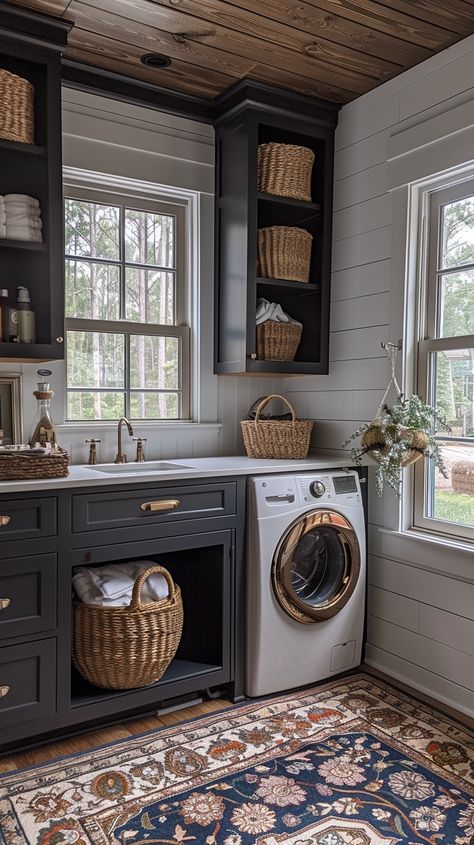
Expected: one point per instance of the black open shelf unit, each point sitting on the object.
(35, 169)
(241, 210)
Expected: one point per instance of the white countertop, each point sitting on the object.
(192, 468)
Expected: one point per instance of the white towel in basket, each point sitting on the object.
(112, 585)
(272, 311)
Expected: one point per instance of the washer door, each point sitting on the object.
(316, 566)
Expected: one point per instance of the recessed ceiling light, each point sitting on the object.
(155, 60)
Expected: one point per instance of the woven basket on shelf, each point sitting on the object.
(284, 252)
(128, 647)
(16, 108)
(278, 341)
(276, 438)
(285, 170)
(19, 466)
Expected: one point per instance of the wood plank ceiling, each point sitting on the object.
(335, 49)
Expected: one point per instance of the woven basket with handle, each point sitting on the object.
(278, 341)
(16, 108)
(128, 647)
(276, 438)
(284, 252)
(285, 170)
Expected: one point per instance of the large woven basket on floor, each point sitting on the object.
(276, 438)
(285, 170)
(128, 647)
(278, 341)
(16, 108)
(19, 466)
(284, 252)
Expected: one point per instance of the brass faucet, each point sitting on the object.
(120, 457)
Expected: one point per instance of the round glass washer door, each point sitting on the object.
(316, 566)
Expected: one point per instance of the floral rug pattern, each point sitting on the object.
(352, 762)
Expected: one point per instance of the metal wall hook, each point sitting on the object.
(387, 345)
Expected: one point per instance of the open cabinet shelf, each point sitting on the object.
(35, 170)
(241, 210)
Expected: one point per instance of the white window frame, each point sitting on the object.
(160, 204)
(432, 199)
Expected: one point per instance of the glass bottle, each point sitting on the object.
(43, 427)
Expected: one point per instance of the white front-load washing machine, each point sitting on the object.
(306, 573)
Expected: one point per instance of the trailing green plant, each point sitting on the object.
(397, 437)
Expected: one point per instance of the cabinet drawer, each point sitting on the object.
(27, 683)
(27, 519)
(27, 595)
(141, 507)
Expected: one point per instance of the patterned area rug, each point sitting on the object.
(350, 763)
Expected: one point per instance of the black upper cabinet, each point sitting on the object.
(252, 114)
(30, 46)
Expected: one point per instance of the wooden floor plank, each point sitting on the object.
(121, 731)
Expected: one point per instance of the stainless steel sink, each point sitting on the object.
(132, 468)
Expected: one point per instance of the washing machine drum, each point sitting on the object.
(316, 566)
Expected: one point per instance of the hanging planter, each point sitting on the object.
(399, 434)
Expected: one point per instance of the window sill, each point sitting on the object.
(168, 425)
(434, 539)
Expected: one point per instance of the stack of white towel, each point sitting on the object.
(112, 586)
(20, 218)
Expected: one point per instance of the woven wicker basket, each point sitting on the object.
(128, 647)
(285, 170)
(276, 438)
(16, 108)
(373, 441)
(284, 252)
(277, 341)
(18, 466)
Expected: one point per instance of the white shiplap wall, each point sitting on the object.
(421, 595)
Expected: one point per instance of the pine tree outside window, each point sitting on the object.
(446, 362)
(127, 338)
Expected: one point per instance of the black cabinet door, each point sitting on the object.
(143, 507)
(27, 595)
(27, 519)
(27, 683)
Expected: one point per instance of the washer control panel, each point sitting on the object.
(286, 492)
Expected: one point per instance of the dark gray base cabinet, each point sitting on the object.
(201, 542)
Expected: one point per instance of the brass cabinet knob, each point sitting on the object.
(163, 505)
(4, 520)
(4, 690)
(4, 603)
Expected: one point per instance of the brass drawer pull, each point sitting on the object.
(164, 505)
(4, 603)
(4, 520)
(4, 690)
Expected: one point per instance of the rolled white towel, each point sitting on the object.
(21, 221)
(24, 198)
(23, 234)
(20, 208)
